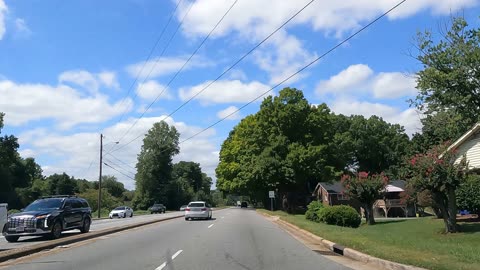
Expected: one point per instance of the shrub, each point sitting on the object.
(340, 215)
(312, 211)
(13, 211)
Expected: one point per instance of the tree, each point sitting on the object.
(61, 184)
(377, 146)
(468, 194)
(189, 172)
(154, 165)
(366, 189)
(437, 172)
(113, 186)
(450, 76)
(108, 201)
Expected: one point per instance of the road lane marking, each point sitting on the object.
(211, 225)
(176, 254)
(223, 217)
(165, 263)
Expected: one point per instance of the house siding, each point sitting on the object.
(471, 149)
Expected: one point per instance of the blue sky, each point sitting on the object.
(66, 68)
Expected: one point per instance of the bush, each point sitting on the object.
(13, 211)
(312, 211)
(340, 215)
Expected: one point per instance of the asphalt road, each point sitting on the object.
(97, 225)
(234, 239)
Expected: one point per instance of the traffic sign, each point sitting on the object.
(271, 194)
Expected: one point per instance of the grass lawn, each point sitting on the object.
(414, 241)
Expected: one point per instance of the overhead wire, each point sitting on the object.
(126, 175)
(223, 73)
(118, 166)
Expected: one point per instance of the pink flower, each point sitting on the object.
(362, 175)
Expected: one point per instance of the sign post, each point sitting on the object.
(271, 195)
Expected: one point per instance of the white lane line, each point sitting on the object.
(223, 217)
(211, 225)
(165, 263)
(176, 254)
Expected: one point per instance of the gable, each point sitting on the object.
(471, 149)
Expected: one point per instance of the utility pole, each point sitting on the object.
(100, 177)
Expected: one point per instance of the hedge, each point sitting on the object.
(313, 209)
(340, 215)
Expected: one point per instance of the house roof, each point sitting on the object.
(336, 187)
(464, 137)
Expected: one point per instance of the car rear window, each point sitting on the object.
(120, 208)
(196, 205)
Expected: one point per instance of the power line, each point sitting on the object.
(118, 166)
(123, 162)
(151, 70)
(224, 72)
(106, 164)
(148, 58)
(298, 71)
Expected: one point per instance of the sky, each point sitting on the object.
(71, 70)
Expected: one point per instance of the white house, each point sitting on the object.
(469, 145)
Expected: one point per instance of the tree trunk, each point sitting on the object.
(447, 204)
(369, 214)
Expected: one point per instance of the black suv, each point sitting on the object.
(49, 216)
(157, 208)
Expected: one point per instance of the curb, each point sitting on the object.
(345, 251)
(24, 251)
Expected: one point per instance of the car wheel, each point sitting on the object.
(125, 215)
(131, 214)
(56, 230)
(86, 225)
(12, 239)
(151, 213)
(186, 218)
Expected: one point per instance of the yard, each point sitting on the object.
(414, 241)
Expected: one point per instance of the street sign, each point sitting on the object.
(271, 194)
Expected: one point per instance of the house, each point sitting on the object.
(390, 205)
(468, 145)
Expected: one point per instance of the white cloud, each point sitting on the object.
(352, 78)
(328, 16)
(162, 66)
(23, 103)
(237, 74)
(393, 85)
(109, 79)
(358, 79)
(409, 118)
(21, 27)
(76, 152)
(3, 12)
(151, 89)
(90, 81)
(224, 91)
(26, 153)
(231, 112)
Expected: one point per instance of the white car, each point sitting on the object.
(121, 212)
(198, 210)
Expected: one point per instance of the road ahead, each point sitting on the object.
(234, 239)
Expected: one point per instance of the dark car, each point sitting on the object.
(49, 216)
(244, 205)
(157, 208)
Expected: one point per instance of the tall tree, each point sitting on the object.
(114, 187)
(61, 184)
(450, 78)
(189, 172)
(154, 165)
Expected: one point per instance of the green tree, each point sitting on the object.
(61, 184)
(189, 172)
(468, 194)
(450, 76)
(437, 172)
(366, 189)
(108, 201)
(154, 165)
(113, 186)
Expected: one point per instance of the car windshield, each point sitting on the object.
(120, 208)
(196, 205)
(47, 204)
(157, 205)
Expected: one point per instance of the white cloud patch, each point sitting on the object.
(23, 103)
(21, 28)
(151, 89)
(3, 12)
(162, 66)
(26, 153)
(230, 112)
(90, 81)
(224, 91)
(76, 152)
(409, 118)
(360, 78)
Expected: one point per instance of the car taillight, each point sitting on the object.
(187, 209)
(204, 209)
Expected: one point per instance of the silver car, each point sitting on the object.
(198, 210)
(121, 212)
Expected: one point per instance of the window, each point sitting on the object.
(77, 204)
(343, 197)
(197, 205)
